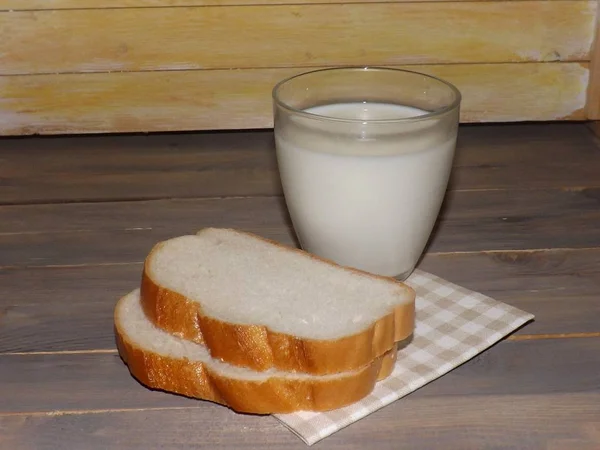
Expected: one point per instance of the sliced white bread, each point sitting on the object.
(258, 304)
(162, 361)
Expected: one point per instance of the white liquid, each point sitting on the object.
(368, 202)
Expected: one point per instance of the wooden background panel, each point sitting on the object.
(559, 287)
(108, 40)
(29, 5)
(554, 421)
(515, 156)
(593, 99)
(535, 91)
(195, 100)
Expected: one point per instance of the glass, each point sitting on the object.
(364, 157)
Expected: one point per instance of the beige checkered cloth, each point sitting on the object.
(453, 325)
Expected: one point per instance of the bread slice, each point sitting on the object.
(258, 304)
(162, 361)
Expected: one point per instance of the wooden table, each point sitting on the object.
(521, 223)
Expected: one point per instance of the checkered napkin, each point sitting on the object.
(453, 325)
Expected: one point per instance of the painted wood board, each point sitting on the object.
(241, 99)
(593, 95)
(28, 5)
(234, 37)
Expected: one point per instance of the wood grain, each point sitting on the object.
(97, 381)
(554, 421)
(531, 156)
(206, 99)
(216, 164)
(29, 5)
(559, 287)
(71, 234)
(593, 98)
(108, 168)
(513, 188)
(106, 40)
(132, 228)
(33, 316)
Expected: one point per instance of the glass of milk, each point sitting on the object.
(364, 156)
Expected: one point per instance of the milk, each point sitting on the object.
(367, 198)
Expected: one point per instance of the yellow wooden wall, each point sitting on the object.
(81, 66)
(593, 93)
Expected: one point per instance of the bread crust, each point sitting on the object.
(260, 348)
(273, 395)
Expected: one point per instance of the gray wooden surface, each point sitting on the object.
(521, 223)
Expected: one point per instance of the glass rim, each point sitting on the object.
(430, 115)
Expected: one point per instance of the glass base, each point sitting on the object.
(403, 276)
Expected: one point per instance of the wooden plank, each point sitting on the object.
(97, 381)
(507, 220)
(37, 5)
(88, 245)
(137, 167)
(90, 378)
(525, 156)
(106, 40)
(33, 313)
(517, 156)
(71, 234)
(593, 98)
(554, 421)
(559, 287)
(238, 99)
(261, 214)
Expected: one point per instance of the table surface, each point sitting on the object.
(521, 223)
